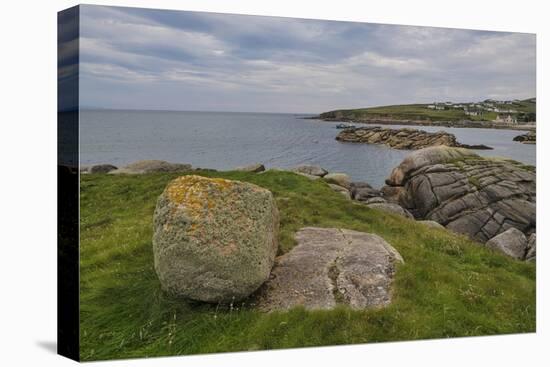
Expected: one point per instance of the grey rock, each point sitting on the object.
(101, 168)
(531, 254)
(151, 166)
(511, 242)
(392, 208)
(311, 177)
(374, 200)
(310, 170)
(364, 193)
(340, 179)
(255, 168)
(341, 190)
(468, 194)
(393, 194)
(331, 266)
(404, 138)
(214, 240)
(425, 157)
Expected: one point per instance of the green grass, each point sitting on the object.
(448, 286)
(422, 112)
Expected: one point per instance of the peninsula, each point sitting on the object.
(507, 114)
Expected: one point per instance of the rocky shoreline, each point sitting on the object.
(528, 138)
(405, 138)
(492, 201)
(460, 123)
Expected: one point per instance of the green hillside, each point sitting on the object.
(423, 113)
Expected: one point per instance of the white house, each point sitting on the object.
(506, 119)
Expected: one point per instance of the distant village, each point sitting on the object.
(505, 111)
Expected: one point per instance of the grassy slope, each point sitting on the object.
(422, 112)
(447, 287)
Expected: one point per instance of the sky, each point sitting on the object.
(133, 58)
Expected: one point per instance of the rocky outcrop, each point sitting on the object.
(405, 138)
(254, 168)
(340, 179)
(151, 166)
(329, 267)
(362, 191)
(214, 240)
(466, 193)
(527, 138)
(310, 170)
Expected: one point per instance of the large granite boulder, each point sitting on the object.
(340, 179)
(151, 166)
(511, 242)
(214, 240)
(466, 193)
(310, 170)
(329, 267)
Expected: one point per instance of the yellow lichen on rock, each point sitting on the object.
(193, 192)
(214, 239)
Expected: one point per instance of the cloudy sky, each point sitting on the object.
(152, 59)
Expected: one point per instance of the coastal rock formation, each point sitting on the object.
(331, 266)
(214, 240)
(254, 168)
(310, 170)
(340, 179)
(405, 138)
(527, 138)
(362, 191)
(151, 166)
(466, 193)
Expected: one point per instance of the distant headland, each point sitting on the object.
(500, 114)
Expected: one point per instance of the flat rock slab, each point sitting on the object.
(404, 138)
(329, 267)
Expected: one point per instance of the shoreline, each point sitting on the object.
(450, 124)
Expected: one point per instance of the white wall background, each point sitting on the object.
(28, 182)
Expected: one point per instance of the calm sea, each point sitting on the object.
(224, 140)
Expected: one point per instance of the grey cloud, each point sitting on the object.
(139, 58)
